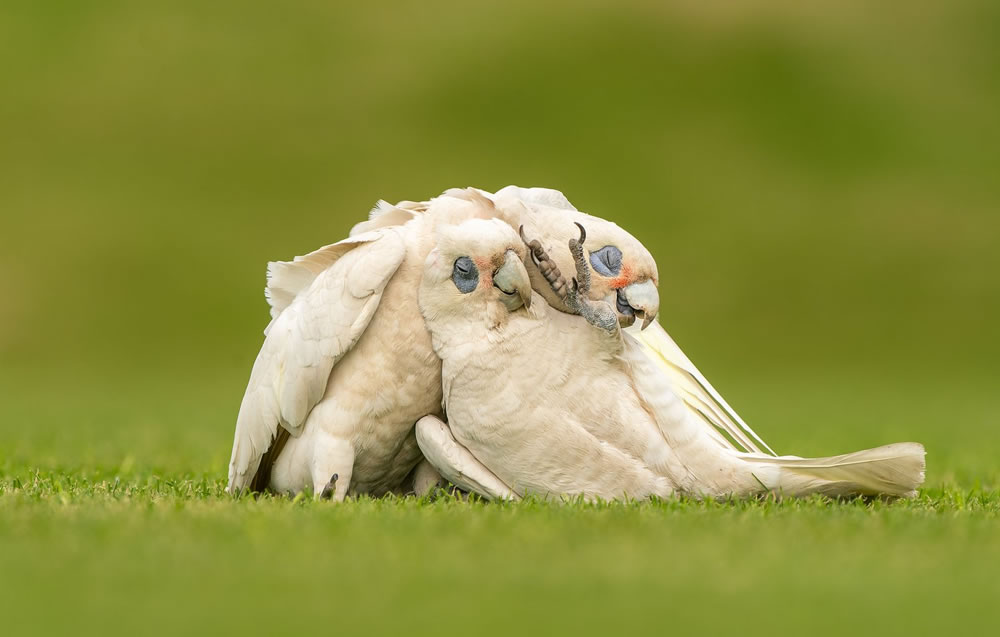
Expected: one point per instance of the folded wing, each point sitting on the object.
(321, 304)
(691, 386)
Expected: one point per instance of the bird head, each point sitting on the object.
(623, 272)
(476, 268)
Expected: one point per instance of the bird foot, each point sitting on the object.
(545, 265)
(574, 294)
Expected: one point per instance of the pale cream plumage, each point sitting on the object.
(508, 380)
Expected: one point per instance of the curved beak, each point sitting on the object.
(512, 279)
(643, 300)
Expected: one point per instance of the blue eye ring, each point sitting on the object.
(465, 275)
(607, 261)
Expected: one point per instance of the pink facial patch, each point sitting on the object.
(485, 272)
(623, 279)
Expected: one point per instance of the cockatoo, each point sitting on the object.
(347, 368)
(507, 378)
(553, 404)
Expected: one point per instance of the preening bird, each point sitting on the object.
(548, 403)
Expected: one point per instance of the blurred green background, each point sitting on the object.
(819, 187)
(818, 184)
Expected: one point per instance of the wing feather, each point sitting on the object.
(385, 214)
(697, 393)
(287, 279)
(321, 304)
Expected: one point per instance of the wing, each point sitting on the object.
(385, 214)
(697, 393)
(320, 305)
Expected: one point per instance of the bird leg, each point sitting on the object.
(456, 462)
(331, 466)
(597, 313)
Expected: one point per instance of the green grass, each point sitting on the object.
(817, 182)
(91, 553)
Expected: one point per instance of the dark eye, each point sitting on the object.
(607, 260)
(465, 275)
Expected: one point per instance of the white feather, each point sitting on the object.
(321, 304)
(694, 389)
(720, 468)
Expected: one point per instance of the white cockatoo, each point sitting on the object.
(507, 380)
(548, 403)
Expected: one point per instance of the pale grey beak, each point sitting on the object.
(644, 300)
(512, 279)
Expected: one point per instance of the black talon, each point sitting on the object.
(582, 269)
(538, 255)
(330, 487)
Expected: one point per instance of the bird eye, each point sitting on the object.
(465, 275)
(607, 260)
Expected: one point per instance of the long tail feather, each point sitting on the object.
(892, 470)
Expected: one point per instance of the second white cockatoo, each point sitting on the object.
(547, 403)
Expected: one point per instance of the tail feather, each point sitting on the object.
(892, 470)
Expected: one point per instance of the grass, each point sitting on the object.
(90, 553)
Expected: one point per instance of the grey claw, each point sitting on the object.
(580, 260)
